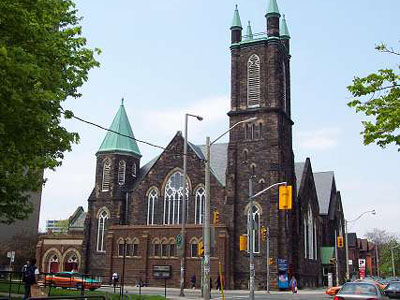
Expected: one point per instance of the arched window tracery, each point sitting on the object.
(256, 229)
(200, 196)
(101, 228)
(173, 196)
(152, 200)
(253, 81)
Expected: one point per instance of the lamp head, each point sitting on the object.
(199, 118)
(373, 212)
(250, 120)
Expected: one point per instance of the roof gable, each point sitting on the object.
(324, 184)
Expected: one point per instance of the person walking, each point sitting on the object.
(293, 285)
(30, 277)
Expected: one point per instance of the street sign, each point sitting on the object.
(282, 264)
(162, 272)
(361, 263)
(350, 262)
(178, 240)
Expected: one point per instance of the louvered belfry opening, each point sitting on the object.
(253, 81)
(105, 186)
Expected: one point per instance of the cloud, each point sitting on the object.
(319, 139)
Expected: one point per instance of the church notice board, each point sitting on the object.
(162, 272)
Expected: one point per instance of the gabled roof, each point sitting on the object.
(324, 184)
(219, 160)
(124, 141)
(77, 220)
(299, 170)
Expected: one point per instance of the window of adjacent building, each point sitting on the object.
(105, 184)
(173, 198)
(101, 228)
(121, 246)
(256, 229)
(134, 170)
(151, 203)
(309, 235)
(121, 172)
(194, 248)
(253, 81)
(199, 206)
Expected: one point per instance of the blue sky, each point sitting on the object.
(169, 57)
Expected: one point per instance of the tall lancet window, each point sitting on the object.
(101, 229)
(253, 81)
(173, 198)
(256, 229)
(151, 204)
(121, 172)
(105, 185)
(284, 75)
(199, 206)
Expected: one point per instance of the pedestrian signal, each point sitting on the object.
(243, 242)
(285, 197)
(271, 261)
(340, 241)
(216, 217)
(264, 233)
(200, 249)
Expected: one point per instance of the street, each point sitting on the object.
(173, 293)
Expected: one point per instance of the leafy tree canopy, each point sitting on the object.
(378, 97)
(43, 60)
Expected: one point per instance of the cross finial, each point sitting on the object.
(122, 101)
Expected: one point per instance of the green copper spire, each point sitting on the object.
(236, 23)
(284, 29)
(273, 9)
(249, 32)
(114, 142)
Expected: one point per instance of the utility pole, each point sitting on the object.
(206, 289)
(251, 226)
(268, 241)
(377, 260)
(347, 250)
(337, 260)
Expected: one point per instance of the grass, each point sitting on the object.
(19, 289)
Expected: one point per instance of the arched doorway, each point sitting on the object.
(71, 263)
(53, 266)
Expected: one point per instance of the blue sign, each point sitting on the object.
(283, 281)
(282, 265)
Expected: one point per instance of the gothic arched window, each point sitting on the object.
(101, 228)
(173, 196)
(151, 203)
(309, 236)
(253, 81)
(134, 170)
(105, 185)
(256, 229)
(199, 205)
(121, 172)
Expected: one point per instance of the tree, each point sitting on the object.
(43, 61)
(378, 97)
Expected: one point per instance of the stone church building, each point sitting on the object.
(138, 206)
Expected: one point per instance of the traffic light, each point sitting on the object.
(271, 261)
(243, 242)
(216, 217)
(200, 249)
(340, 241)
(264, 233)
(285, 197)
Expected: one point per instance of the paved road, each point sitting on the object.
(173, 293)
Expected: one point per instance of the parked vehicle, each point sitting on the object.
(392, 290)
(360, 290)
(72, 280)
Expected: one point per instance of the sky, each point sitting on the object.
(171, 57)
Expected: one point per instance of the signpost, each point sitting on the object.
(163, 272)
(361, 266)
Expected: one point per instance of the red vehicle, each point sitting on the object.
(72, 280)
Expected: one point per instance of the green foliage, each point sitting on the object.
(43, 60)
(378, 97)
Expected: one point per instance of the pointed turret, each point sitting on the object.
(236, 28)
(249, 33)
(285, 36)
(273, 16)
(120, 138)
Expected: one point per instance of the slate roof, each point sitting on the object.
(77, 220)
(299, 169)
(323, 184)
(219, 160)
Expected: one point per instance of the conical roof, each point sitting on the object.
(236, 23)
(284, 29)
(249, 32)
(120, 138)
(273, 9)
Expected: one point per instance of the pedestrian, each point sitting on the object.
(30, 277)
(218, 283)
(193, 281)
(115, 279)
(293, 285)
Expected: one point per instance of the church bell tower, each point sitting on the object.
(261, 149)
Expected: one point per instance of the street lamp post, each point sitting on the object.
(251, 228)
(184, 198)
(393, 265)
(346, 233)
(207, 205)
